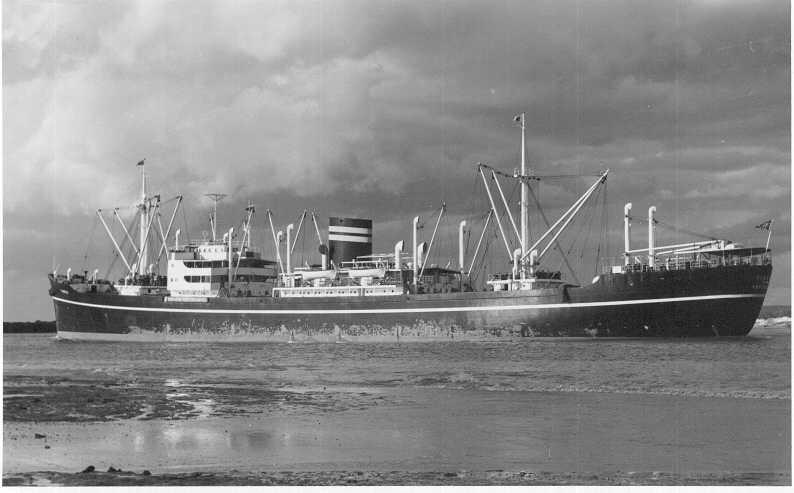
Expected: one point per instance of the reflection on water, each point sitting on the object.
(157, 438)
(203, 407)
(251, 441)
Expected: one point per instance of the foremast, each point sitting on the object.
(143, 268)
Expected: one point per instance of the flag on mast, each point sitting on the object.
(140, 163)
(517, 118)
(765, 225)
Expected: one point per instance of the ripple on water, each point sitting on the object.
(757, 366)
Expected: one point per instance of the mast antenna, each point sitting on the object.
(215, 197)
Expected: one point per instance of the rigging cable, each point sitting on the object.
(556, 242)
(529, 223)
(90, 240)
(586, 221)
(510, 200)
(672, 227)
(472, 218)
(590, 221)
(481, 268)
(475, 272)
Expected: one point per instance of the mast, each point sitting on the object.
(276, 240)
(250, 210)
(524, 191)
(435, 229)
(144, 251)
(651, 238)
(415, 266)
(323, 248)
(215, 197)
(769, 236)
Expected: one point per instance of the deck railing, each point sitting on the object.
(683, 262)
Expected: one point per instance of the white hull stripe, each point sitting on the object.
(350, 229)
(354, 239)
(489, 308)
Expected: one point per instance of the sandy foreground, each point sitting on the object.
(390, 436)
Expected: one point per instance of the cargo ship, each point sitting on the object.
(221, 288)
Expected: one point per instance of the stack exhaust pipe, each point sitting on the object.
(627, 233)
(349, 238)
(516, 262)
(422, 253)
(323, 248)
(290, 227)
(533, 261)
(651, 238)
(461, 227)
(398, 250)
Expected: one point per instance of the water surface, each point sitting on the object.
(601, 405)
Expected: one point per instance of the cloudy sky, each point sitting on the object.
(382, 109)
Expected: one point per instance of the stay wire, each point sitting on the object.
(577, 237)
(590, 221)
(90, 242)
(673, 227)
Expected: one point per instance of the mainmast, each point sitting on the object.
(524, 191)
(143, 260)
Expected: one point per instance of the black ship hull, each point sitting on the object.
(706, 302)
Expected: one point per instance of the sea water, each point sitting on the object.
(717, 404)
(756, 366)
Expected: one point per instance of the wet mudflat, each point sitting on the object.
(83, 400)
(527, 412)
